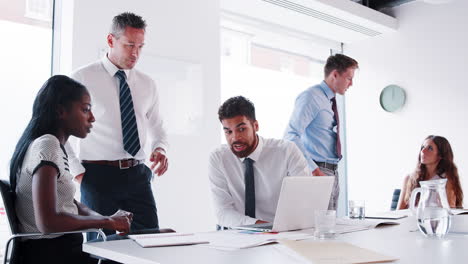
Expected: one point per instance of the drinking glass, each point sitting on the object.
(325, 221)
(357, 209)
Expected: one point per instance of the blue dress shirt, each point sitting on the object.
(313, 126)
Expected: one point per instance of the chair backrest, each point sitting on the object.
(8, 196)
(395, 198)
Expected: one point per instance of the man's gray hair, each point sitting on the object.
(126, 19)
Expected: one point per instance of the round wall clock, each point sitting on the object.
(392, 98)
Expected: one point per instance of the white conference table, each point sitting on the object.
(397, 241)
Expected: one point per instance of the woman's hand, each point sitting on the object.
(120, 221)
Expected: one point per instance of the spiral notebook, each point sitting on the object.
(168, 239)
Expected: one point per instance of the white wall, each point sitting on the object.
(428, 58)
(181, 31)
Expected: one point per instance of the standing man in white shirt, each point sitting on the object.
(247, 173)
(110, 162)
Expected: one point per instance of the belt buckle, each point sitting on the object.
(123, 167)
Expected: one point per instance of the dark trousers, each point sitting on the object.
(63, 249)
(106, 189)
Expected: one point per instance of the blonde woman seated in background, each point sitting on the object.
(435, 162)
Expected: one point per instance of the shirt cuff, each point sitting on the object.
(312, 165)
(251, 221)
(160, 149)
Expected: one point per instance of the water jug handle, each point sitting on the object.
(413, 200)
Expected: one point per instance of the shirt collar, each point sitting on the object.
(327, 90)
(111, 68)
(255, 155)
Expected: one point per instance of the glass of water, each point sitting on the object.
(357, 209)
(325, 221)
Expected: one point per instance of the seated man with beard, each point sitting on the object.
(247, 173)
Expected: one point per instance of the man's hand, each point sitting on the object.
(318, 172)
(159, 157)
(79, 178)
(260, 222)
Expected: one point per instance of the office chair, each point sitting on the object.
(8, 196)
(395, 197)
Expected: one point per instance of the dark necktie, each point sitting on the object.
(249, 188)
(131, 140)
(337, 118)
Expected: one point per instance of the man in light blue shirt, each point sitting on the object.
(314, 124)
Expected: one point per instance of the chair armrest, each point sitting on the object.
(92, 230)
(14, 236)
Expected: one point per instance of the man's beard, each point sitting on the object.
(244, 153)
(247, 151)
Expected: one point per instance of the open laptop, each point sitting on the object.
(298, 200)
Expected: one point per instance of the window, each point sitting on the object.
(39, 9)
(271, 76)
(26, 64)
(284, 61)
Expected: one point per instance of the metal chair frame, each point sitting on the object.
(8, 203)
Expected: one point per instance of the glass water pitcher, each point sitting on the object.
(433, 211)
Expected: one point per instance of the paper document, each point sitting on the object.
(389, 215)
(369, 223)
(294, 257)
(331, 252)
(459, 211)
(235, 239)
(346, 225)
(459, 224)
(167, 239)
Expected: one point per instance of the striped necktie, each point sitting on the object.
(249, 188)
(131, 140)
(337, 118)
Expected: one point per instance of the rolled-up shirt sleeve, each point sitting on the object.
(305, 111)
(226, 213)
(156, 130)
(297, 164)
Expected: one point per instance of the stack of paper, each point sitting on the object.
(168, 239)
(331, 252)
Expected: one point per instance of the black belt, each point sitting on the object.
(122, 164)
(329, 166)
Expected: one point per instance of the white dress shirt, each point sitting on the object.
(105, 140)
(274, 160)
